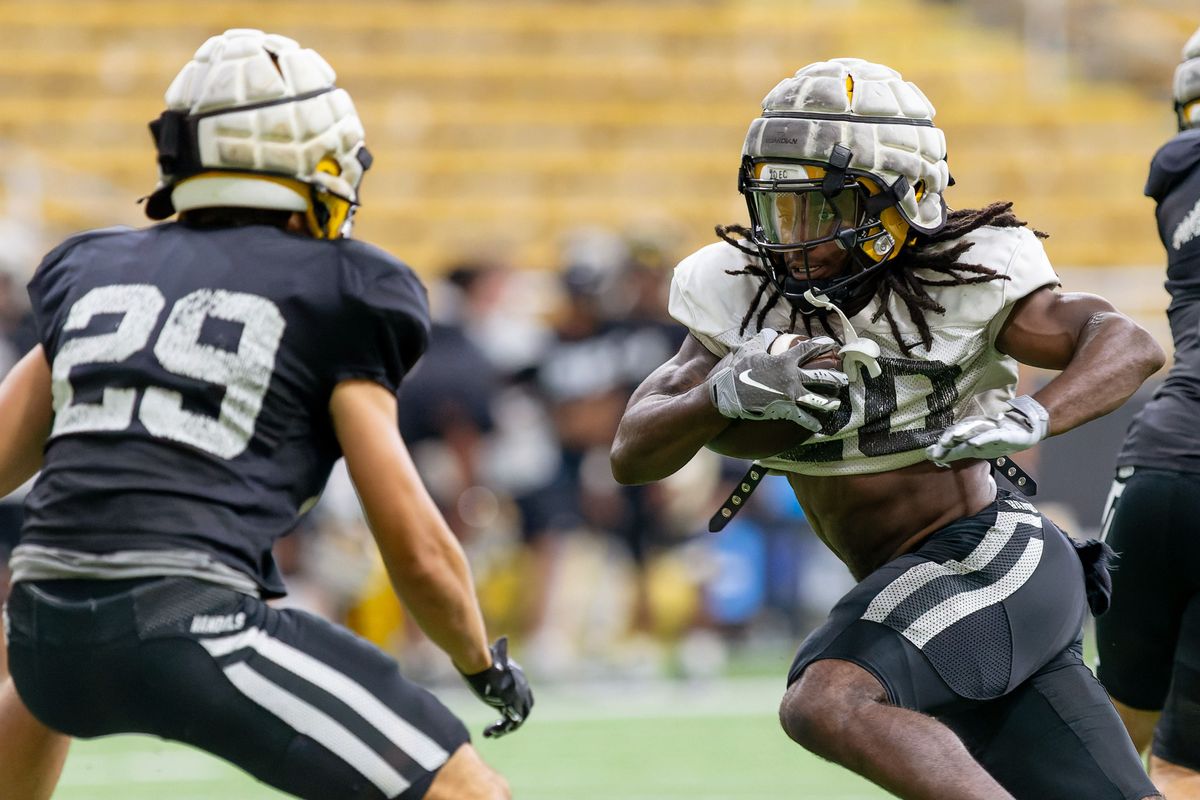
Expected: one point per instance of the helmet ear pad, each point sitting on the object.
(894, 231)
(328, 214)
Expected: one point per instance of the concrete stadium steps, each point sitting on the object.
(516, 122)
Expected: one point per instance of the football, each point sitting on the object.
(753, 439)
(786, 341)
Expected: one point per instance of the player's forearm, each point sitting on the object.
(660, 433)
(435, 586)
(424, 560)
(25, 416)
(1113, 357)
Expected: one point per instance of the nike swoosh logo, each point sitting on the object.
(746, 379)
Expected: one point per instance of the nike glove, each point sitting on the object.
(1023, 425)
(503, 686)
(750, 383)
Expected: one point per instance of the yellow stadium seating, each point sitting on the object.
(506, 124)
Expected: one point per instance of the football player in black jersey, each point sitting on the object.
(1149, 642)
(194, 383)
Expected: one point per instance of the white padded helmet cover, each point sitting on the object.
(244, 66)
(885, 151)
(1187, 79)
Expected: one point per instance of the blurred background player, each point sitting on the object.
(193, 385)
(961, 645)
(1149, 642)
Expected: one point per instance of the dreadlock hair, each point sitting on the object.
(900, 279)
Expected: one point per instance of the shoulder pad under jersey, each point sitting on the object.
(377, 286)
(1022, 267)
(1172, 163)
(53, 279)
(709, 301)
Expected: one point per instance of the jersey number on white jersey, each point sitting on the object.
(245, 373)
(874, 433)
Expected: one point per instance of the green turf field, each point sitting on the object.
(661, 741)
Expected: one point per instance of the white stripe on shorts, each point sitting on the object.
(319, 726)
(423, 750)
(914, 578)
(953, 609)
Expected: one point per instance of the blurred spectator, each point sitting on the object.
(609, 332)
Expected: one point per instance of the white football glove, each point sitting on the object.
(1023, 425)
(750, 383)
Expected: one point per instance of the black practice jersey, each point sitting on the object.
(1165, 434)
(192, 370)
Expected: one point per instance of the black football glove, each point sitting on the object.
(503, 686)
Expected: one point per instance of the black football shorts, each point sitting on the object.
(980, 627)
(1149, 641)
(294, 700)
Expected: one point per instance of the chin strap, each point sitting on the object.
(856, 352)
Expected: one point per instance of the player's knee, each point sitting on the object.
(494, 786)
(819, 708)
(466, 777)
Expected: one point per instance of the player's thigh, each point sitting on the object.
(354, 727)
(1056, 737)
(935, 634)
(1150, 527)
(1177, 737)
(295, 701)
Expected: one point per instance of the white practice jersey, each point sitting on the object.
(885, 423)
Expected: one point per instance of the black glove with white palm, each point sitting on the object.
(503, 686)
(1021, 426)
(751, 383)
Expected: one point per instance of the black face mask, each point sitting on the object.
(791, 215)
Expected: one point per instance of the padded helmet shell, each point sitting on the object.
(260, 103)
(885, 122)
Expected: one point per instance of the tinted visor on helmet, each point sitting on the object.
(794, 212)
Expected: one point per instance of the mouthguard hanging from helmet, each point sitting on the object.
(255, 121)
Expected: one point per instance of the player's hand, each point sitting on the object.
(1023, 425)
(750, 383)
(503, 686)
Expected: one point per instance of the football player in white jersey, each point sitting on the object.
(954, 666)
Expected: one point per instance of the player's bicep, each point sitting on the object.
(684, 371)
(1045, 327)
(26, 414)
